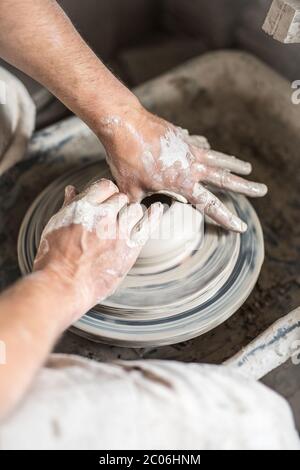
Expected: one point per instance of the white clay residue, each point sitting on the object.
(197, 190)
(147, 225)
(78, 212)
(111, 122)
(174, 150)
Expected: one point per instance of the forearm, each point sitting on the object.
(38, 38)
(32, 316)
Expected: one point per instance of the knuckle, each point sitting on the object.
(224, 178)
(105, 184)
(122, 197)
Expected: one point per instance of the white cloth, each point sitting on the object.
(17, 120)
(76, 403)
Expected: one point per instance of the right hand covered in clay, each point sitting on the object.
(149, 155)
(93, 241)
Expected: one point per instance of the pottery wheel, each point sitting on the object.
(161, 304)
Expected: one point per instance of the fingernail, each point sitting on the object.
(158, 205)
(264, 189)
(247, 167)
(244, 227)
(259, 189)
(69, 194)
(238, 225)
(69, 189)
(157, 209)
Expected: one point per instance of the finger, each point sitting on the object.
(70, 194)
(208, 203)
(129, 216)
(221, 160)
(99, 191)
(113, 205)
(198, 141)
(143, 230)
(225, 180)
(106, 226)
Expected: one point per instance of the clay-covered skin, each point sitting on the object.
(94, 240)
(147, 154)
(77, 264)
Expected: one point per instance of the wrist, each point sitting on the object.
(115, 118)
(61, 293)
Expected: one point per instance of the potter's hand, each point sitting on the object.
(94, 240)
(86, 250)
(148, 154)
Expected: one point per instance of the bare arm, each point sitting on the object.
(146, 154)
(32, 316)
(37, 37)
(76, 266)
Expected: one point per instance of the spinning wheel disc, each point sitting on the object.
(160, 306)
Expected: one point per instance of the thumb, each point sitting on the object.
(70, 194)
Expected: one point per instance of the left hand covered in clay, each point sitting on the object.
(93, 241)
(147, 155)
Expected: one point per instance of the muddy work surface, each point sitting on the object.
(244, 109)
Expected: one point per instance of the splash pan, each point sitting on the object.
(162, 306)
